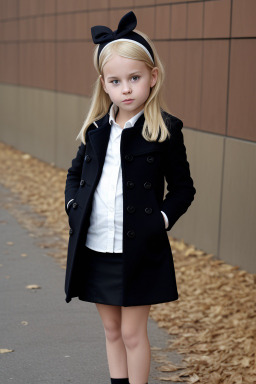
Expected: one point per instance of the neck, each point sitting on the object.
(122, 118)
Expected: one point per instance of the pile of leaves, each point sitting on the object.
(214, 320)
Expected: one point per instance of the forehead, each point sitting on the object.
(121, 66)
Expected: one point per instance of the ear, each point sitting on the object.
(154, 76)
(103, 84)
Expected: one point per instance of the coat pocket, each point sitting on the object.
(156, 236)
(162, 221)
(74, 214)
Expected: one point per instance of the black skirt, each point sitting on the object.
(103, 283)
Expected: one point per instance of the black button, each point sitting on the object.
(130, 209)
(70, 231)
(82, 182)
(148, 210)
(129, 157)
(74, 205)
(130, 184)
(147, 185)
(131, 234)
(87, 158)
(150, 159)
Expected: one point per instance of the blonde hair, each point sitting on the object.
(100, 101)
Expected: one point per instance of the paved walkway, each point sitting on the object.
(53, 342)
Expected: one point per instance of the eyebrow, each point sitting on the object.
(130, 74)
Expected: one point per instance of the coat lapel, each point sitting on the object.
(136, 144)
(99, 138)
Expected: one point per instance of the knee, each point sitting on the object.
(112, 330)
(130, 338)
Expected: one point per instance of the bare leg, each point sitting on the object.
(116, 352)
(135, 337)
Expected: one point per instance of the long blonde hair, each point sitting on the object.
(100, 101)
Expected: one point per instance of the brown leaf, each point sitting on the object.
(33, 286)
(169, 367)
(4, 350)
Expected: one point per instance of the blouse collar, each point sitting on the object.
(129, 123)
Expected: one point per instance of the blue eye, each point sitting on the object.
(133, 79)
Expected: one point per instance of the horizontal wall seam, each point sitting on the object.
(84, 96)
(154, 40)
(104, 9)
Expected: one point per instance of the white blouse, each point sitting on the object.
(105, 231)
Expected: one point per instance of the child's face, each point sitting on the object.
(128, 79)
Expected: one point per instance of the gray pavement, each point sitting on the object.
(53, 342)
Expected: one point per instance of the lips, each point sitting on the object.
(127, 100)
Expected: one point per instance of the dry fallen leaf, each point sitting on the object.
(4, 350)
(33, 286)
(24, 323)
(169, 367)
(26, 156)
(9, 242)
(23, 255)
(173, 379)
(193, 379)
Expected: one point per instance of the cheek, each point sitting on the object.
(113, 94)
(145, 90)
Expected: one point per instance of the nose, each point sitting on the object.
(126, 88)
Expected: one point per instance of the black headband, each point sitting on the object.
(103, 35)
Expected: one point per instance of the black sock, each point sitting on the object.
(120, 381)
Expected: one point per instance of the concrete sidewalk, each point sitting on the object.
(53, 342)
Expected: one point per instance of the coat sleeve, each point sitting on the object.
(74, 176)
(180, 185)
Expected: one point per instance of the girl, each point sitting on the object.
(119, 255)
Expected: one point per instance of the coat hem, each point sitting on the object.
(153, 302)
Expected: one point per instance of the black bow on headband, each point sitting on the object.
(102, 34)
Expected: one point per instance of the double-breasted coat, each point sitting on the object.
(148, 269)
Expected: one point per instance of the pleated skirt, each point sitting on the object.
(103, 283)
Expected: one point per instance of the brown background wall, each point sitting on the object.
(209, 52)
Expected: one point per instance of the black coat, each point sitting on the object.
(148, 270)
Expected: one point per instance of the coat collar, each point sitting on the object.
(129, 123)
(99, 138)
(106, 119)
